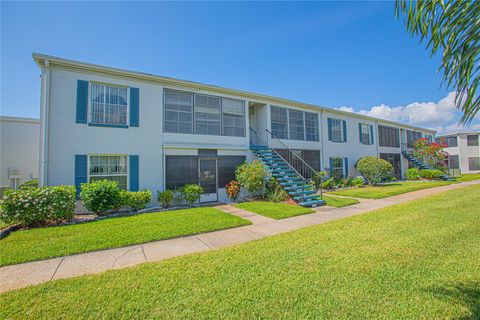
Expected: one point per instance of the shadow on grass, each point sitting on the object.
(466, 294)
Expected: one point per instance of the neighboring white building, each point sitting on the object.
(154, 132)
(19, 147)
(463, 149)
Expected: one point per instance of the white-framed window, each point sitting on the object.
(472, 140)
(311, 126)
(207, 114)
(296, 124)
(108, 104)
(233, 117)
(279, 122)
(366, 133)
(337, 167)
(474, 163)
(288, 123)
(109, 167)
(178, 112)
(336, 129)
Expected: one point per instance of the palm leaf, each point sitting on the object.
(452, 27)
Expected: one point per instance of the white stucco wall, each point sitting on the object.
(66, 138)
(19, 141)
(464, 152)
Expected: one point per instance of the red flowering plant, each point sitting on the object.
(431, 153)
(233, 189)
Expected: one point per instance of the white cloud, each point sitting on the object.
(441, 116)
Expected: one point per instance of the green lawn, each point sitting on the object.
(387, 190)
(468, 177)
(41, 243)
(418, 260)
(274, 210)
(339, 202)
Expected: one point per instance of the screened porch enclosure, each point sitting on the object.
(207, 169)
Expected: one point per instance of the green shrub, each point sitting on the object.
(374, 169)
(178, 197)
(275, 192)
(430, 174)
(328, 184)
(100, 196)
(412, 174)
(31, 206)
(165, 198)
(319, 178)
(191, 193)
(345, 182)
(357, 182)
(136, 199)
(251, 176)
(30, 184)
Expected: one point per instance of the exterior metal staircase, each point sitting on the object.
(287, 170)
(419, 163)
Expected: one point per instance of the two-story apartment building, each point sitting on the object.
(149, 131)
(463, 149)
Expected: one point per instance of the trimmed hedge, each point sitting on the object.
(100, 196)
(412, 174)
(136, 199)
(165, 198)
(31, 206)
(431, 174)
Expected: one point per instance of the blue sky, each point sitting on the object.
(353, 55)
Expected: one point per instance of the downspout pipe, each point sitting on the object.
(44, 124)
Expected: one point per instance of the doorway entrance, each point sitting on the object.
(207, 179)
(394, 159)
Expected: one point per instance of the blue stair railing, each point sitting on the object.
(292, 172)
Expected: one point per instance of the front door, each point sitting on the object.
(207, 178)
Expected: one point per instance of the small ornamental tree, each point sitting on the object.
(431, 153)
(251, 176)
(374, 169)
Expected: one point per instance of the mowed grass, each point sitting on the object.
(387, 190)
(338, 202)
(274, 210)
(41, 243)
(468, 177)
(418, 260)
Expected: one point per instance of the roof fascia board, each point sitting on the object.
(61, 63)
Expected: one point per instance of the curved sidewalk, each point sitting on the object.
(31, 273)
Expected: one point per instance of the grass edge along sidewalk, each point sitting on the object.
(42, 243)
(403, 261)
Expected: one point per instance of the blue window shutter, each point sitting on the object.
(345, 164)
(133, 160)
(344, 131)
(80, 170)
(329, 129)
(82, 101)
(360, 132)
(371, 134)
(331, 166)
(134, 107)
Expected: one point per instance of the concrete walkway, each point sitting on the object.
(31, 273)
